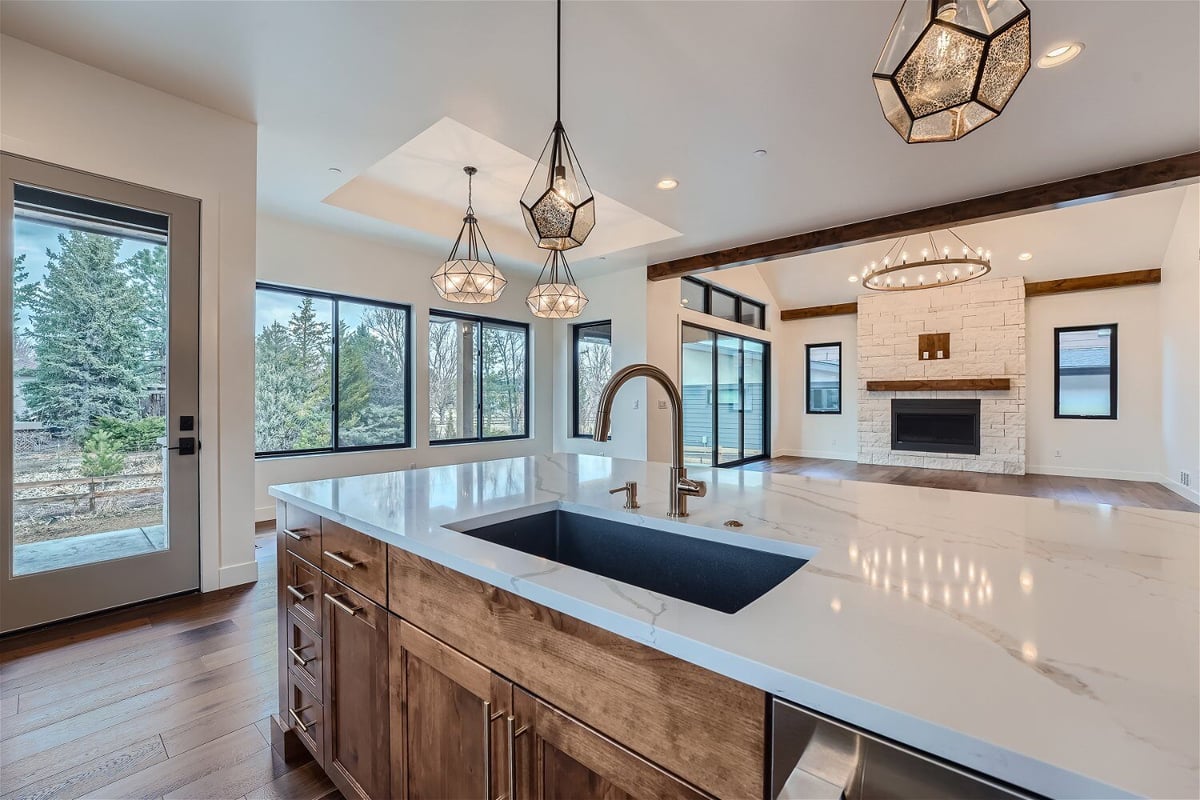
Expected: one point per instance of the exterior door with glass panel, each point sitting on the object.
(100, 474)
(725, 397)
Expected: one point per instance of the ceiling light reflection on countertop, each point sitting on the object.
(1025, 256)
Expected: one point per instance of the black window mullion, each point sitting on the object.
(334, 382)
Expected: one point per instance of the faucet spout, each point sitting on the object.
(681, 486)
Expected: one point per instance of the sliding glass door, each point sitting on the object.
(726, 408)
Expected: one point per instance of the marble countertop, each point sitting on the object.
(1052, 645)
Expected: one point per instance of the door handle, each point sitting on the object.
(187, 446)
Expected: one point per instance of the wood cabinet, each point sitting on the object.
(355, 692)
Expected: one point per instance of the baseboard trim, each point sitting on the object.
(828, 454)
(1085, 472)
(1186, 492)
(264, 513)
(237, 574)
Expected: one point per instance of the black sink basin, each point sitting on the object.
(719, 576)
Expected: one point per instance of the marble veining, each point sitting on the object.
(1052, 645)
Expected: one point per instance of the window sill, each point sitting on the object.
(343, 451)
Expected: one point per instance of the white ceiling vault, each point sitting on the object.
(687, 90)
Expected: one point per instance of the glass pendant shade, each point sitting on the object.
(469, 275)
(556, 295)
(558, 204)
(949, 66)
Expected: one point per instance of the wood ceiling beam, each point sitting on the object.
(790, 314)
(1123, 181)
(1112, 280)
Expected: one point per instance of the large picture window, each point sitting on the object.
(331, 373)
(478, 379)
(591, 355)
(823, 378)
(1085, 372)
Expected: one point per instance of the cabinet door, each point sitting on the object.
(558, 756)
(448, 715)
(356, 692)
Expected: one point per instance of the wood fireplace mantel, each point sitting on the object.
(941, 384)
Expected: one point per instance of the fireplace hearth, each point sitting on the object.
(935, 426)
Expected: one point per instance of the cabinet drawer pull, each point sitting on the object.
(301, 660)
(488, 718)
(510, 725)
(349, 609)
(299, 722)
(299, 595)
(341, 559)
(299, 537)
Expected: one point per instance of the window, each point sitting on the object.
(726, 396)
(1085, 372)
(478, 379)
(823, 376)
(591, 368)
(709, 299)
(330, 373)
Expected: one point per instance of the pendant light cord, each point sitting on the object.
(558, 63)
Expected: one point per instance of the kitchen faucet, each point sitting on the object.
(682, 486)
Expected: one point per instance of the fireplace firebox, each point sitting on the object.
(936, 426)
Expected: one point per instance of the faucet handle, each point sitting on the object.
(692, 488)
(630, 490)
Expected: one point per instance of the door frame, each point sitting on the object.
(40, 598)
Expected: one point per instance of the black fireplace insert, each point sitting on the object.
(936, 426)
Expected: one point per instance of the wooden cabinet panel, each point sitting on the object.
(301, 531)
(306, 715)
(702, 726)
(356, 693)
(304, 655)
(560, 757)
(448, 714)
(355, 559)
(301, 590)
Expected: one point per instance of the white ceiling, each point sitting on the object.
(685, 89)
(1115, 235)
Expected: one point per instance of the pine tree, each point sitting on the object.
(278, 391)
(147, 268)
(88, 341)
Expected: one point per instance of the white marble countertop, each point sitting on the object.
(1052, 645)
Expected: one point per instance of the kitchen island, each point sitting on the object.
(1051, 646)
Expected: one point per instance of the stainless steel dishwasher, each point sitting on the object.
(814, 757)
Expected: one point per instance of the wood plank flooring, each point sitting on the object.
(167, 700)
(1055, 487)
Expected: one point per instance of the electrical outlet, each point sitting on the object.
(1058, 453)
(636, 404)
(662, 405)
(1185, 478)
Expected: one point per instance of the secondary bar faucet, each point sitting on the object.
(682, 487)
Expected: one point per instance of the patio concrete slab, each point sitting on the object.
(87, 549)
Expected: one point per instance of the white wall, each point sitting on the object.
(817, 435)
(1127, 447)
(1179, 312)
(621, 298)
(67, 113)
(314, 257)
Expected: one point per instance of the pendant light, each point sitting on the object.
(949, 66)
(558, 204)
(556, 296)
(466, 277)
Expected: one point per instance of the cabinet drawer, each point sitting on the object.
(301, 531)
(306, 715)
(355, 559)
(304, 655)
(302, 591)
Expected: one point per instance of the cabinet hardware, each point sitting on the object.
(299, 595)
(510, 725)
(299, 722)
(341, 559)
(349, 609)
(299, 537)
(488, 718)
(301, 660)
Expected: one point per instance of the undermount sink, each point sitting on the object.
(715, 575)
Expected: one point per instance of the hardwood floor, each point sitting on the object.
(1055, 487)
(170, 699)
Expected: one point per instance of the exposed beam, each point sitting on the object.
(789, 314)
(944, 384)
(1129, 180)
(1110, 281)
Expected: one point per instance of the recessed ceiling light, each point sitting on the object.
(335, 170)
(1060, 54)
(853, 279)
(760, 153)
(1025, 256)
(667, 184)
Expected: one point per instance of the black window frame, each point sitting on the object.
(808, 348)
(575, 331)
(479, 438)
(335, 383)
(1112, 374)
(739, 300)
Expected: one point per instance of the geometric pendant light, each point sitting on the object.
(556, 295)
(467, 277)
(558, 204)
(950, 66)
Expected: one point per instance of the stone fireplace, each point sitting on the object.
(974, 430)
